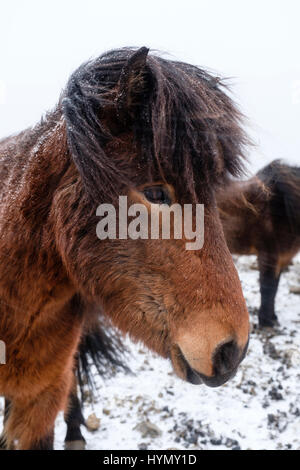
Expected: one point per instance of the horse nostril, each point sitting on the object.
(226, 358)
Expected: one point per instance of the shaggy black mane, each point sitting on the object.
(186, 125)
(284, 183)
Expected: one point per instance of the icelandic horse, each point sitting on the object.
(157, 131)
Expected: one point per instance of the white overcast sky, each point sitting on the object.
(256, 42)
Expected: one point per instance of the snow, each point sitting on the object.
(255, 410)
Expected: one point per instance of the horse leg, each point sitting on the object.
(73, 417)
(269, 281)
(3, 445)
(45, 443)
(31, 420)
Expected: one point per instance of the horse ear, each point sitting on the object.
(132, 84)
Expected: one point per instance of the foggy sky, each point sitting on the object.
(256, 43)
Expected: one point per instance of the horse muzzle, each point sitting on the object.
(225, 362)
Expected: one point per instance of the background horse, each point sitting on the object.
(262, 216)
(127, 124)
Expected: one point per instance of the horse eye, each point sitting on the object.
(157, 195)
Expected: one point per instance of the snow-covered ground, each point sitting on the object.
(258, 409)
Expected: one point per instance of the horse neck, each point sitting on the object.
(233, 199)
(35, 161)
(239, 207)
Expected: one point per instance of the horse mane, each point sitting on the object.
(277, 172)
(251, 196)
(187, 125)
(284, 183)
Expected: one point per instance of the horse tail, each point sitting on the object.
(101, 351)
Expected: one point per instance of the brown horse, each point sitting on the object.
(262, 216)
(127, 124)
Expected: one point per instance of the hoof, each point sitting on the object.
(3, 445)
(269, 332)
(269, 323)
(75, 445)
(266, 325)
